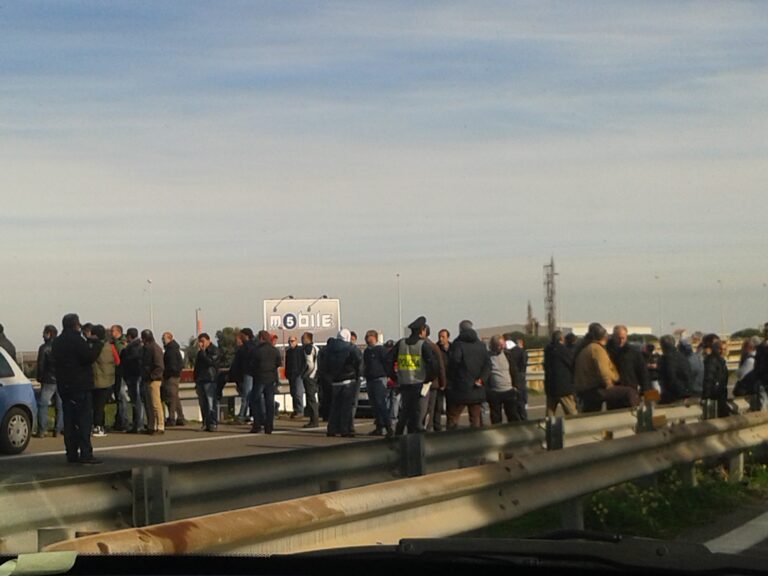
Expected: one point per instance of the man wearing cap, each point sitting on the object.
(340, 366)
(415, 365)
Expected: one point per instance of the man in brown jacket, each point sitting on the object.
(595, 376)
(152, 366)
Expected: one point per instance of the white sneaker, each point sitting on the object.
(100, 433)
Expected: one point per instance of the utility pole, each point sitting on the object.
(198, 322)
(550, 297)
(722, 310)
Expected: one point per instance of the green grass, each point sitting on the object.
(662, 509)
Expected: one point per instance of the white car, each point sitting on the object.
(17, 406)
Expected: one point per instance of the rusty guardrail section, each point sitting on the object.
(39, 512)
(453, 502)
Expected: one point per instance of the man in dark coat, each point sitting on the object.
(469, 365)
(674, 372)
(74, 358)
(629, 361)
(715, 386)
(130, 362)
(264, 364)
(341, 367)
(558, 376)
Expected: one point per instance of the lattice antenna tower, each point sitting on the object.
(550, 301)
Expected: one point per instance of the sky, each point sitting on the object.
(237, 151)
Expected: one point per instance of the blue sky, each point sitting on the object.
(235, 151)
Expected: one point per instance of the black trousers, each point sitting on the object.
(78, 421)
(100, 397)
(310, 392)
(509, 402)
(411, 416)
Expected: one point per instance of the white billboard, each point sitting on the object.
(288, 317)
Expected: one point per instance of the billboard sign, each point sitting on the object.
(293, 317)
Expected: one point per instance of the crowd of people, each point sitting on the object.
(410, 383)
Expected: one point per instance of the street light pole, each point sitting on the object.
(722, 310)
(151, 306)
(661, 309)
(399, 309)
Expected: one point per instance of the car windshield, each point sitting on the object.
(283, 277)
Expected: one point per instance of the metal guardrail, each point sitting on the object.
(155, 494)
(454, 502)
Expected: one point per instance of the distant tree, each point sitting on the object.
(747, 333)
(190, 352)
(226, 340)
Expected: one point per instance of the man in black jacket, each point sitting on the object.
(558, 376)
(674, 372)
(173, 363)
(46, 375)
(130, 362)
(715, 386)
(340, 367)
(629, 361)
(264, 364)
(74, 358)
(238, 373)
(470, 368)
(295, 363)
(152, 367)
(206, 372)
(375, 372)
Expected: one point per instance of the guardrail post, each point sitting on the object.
(645, 417)
(708, 409)
(688, 475)
(412, 458)
(555, 433)
(735, 467)
(151, 501)
(572, 514)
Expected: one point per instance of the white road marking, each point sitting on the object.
(743, 537)
(146, 445)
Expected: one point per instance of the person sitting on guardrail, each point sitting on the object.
(715, 386)
(558, 376)
(596, 377)
(674, 372)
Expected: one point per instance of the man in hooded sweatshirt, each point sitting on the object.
(469, 365)
(415, 365)
(341, 366)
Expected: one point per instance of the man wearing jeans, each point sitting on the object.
(46, 375)
(265, 361)
(374, 370)
(130, 361)
(295, 363)
(122, 398)
(238, 373)
(206, 371)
